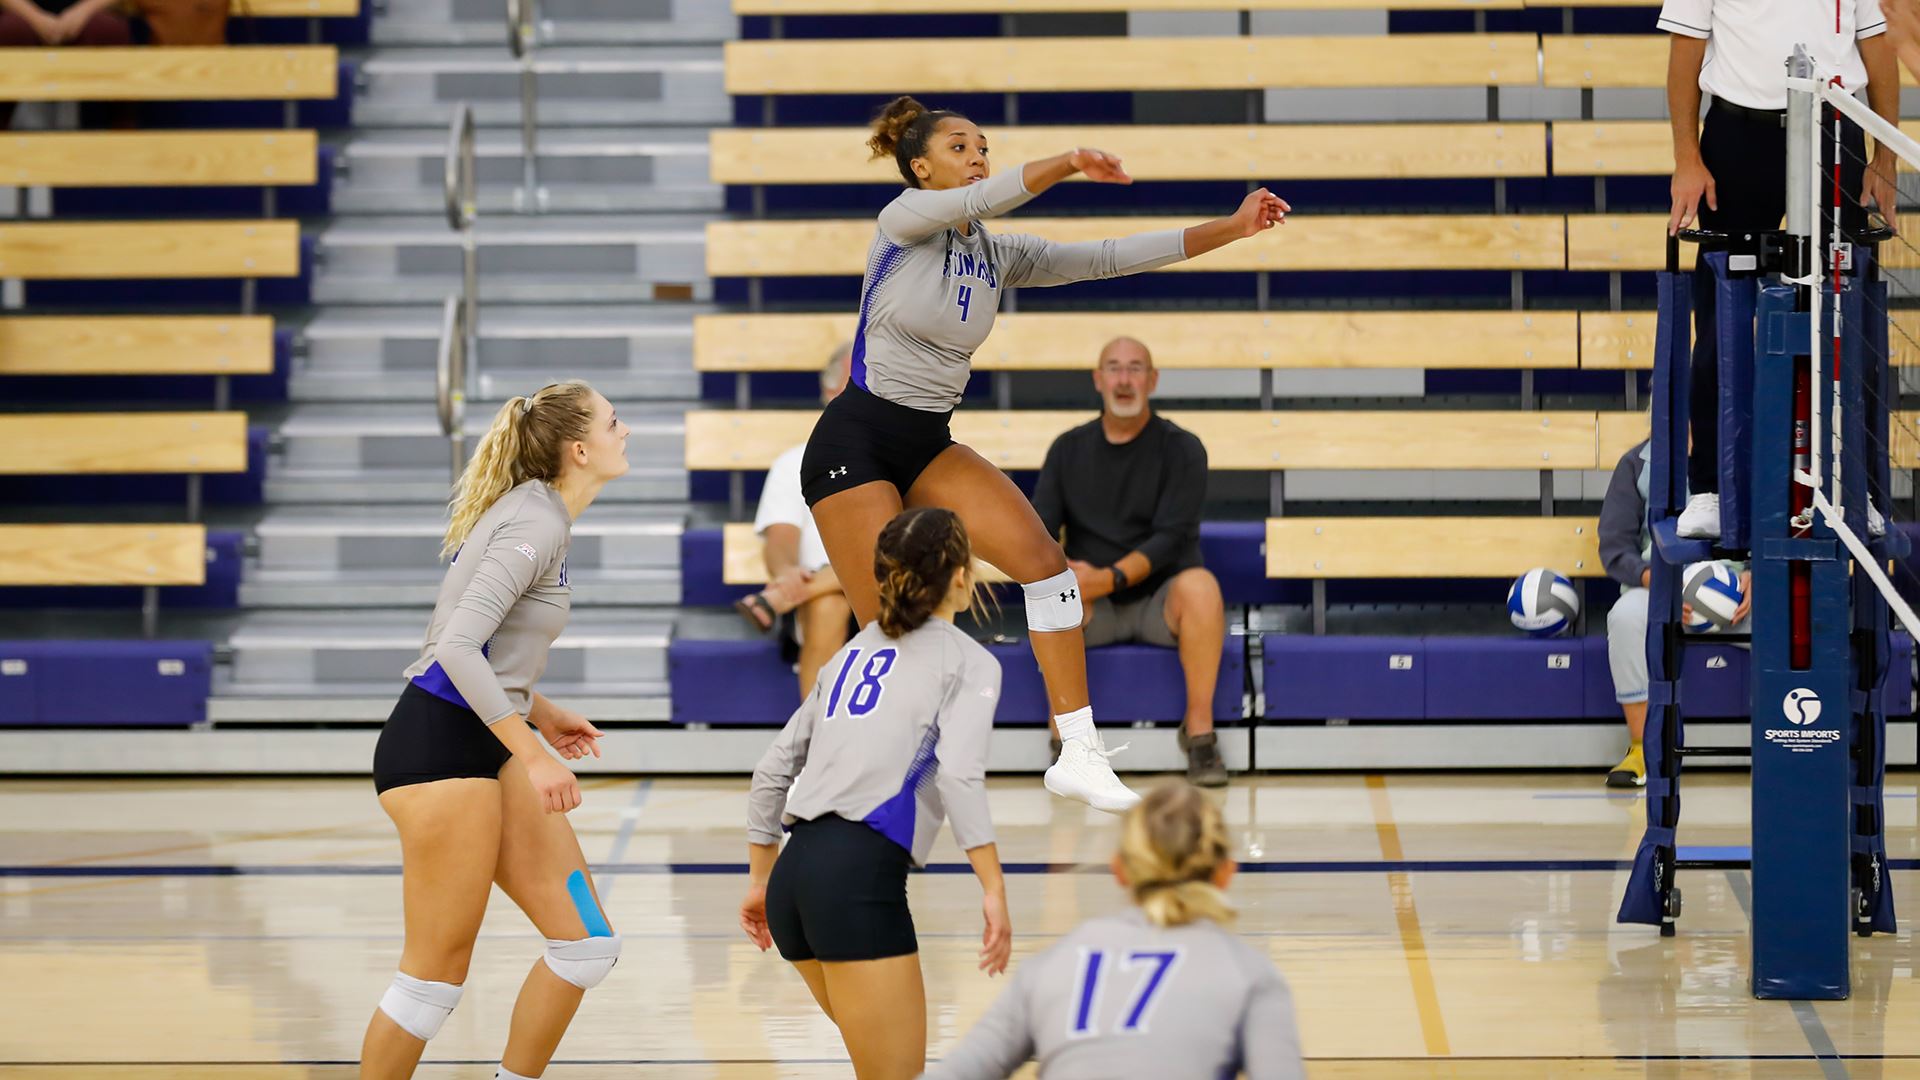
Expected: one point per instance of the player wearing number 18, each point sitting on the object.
(892, 739)
(1162, 991)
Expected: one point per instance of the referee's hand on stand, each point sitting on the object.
(1691, 181)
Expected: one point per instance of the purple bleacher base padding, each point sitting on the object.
(730, 682)
(745, 683)
(121, 683)
(1482, 678)
(1714, 681)
(1236, 552)
(1344, 678)
(702, 562)
(1127, 683)
(19, 682)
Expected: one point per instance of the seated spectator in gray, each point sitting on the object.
(1128, 489)
(1626, 550)
(799, 577)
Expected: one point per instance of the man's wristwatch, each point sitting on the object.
(1119, 577)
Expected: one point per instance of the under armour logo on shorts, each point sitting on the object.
(1070, 594)
(835, 474)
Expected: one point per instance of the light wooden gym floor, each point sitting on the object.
(1431, 926)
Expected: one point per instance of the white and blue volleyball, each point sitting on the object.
(1543, 603)
(1713, 590)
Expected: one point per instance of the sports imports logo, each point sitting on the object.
(1802, 706)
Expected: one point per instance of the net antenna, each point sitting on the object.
(1808, 90)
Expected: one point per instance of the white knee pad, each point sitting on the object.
(419, 1006)
(584, 962)
(1054, 604)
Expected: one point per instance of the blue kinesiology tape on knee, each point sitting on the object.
(589, 908)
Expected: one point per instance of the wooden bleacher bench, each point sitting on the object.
(1155, 152)
(1389, 242)
(223, 73)
(1127, 63)
(288, 9)
(157, 158)
(103, 250)
(136, 345)
(144, 555)
(1621, 242)
(749, 440)
(1629, 147)
(1022, 7)
(741, 563)
(47, 444)
(1194, 340)
(1612, 61)
(1431, 547)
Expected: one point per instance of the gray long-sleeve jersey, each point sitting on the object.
(503, 601)
(931, 291)
(1122, 999)
(894, 735)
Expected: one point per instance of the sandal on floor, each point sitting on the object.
(756, 610)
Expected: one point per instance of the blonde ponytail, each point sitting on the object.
(523, 443)
(1172, 843)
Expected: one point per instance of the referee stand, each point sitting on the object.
(1822, 645)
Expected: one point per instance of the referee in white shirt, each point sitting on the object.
(1735, 162)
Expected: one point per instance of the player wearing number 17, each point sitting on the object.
(931, 291)
(1161, 991)
(892, 739)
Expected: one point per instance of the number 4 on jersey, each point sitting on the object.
(1094, 967)
(965, 300)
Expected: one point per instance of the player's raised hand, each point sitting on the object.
(1259, 211)
(1099, 166)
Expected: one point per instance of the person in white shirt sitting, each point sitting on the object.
(800, 580)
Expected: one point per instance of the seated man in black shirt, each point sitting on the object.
(1128, 488)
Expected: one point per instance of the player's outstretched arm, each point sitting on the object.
(1259, 211)
(918, 213)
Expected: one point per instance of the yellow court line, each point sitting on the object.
(1426, 998)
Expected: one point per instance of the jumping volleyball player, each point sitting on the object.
(892, 739)
(1158, 992)
(476, 797)
(931, 291)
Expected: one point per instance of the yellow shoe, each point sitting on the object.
(1631, 772)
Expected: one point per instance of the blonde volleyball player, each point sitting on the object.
(932, 287)
(892, 739)
(460, 765)
(1159, 991)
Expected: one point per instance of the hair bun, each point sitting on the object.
(890, 124)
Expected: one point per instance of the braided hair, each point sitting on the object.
(914, 561)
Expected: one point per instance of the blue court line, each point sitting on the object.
(1375, 866)
(629, 818)
(1810, 1026)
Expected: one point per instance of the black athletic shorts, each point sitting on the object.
(860, 438)
(428, 738)
(839, 892)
